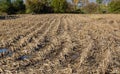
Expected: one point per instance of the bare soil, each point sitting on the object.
(60, 44)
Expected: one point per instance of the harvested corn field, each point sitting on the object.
(60, 44)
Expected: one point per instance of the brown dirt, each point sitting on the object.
(61, 44)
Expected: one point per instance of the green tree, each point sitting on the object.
(33, 6)
(114, 6)
(6, 7)
(47, 8)
(75, 3)
(19, 6)
(59, 5)
(38, 6)
(63, 5)
(55, 5)
(99, 1)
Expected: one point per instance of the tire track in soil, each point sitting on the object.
(104, 64)
(79, 53)
(96, 62)
(91, 58)
(106, 57)
(114, 61)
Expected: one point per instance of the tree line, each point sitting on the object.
(58, 6)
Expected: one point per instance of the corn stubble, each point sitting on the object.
(60, 44)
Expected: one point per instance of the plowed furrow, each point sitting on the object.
(59, 52)
(79, 54)
(104, 64)
(25, 32)
(23, 42)
(13, 26)
(25, 26)
(40, 54)
(34, 45)
(18, 53)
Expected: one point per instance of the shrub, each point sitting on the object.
(78, 11)
(90, 8)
